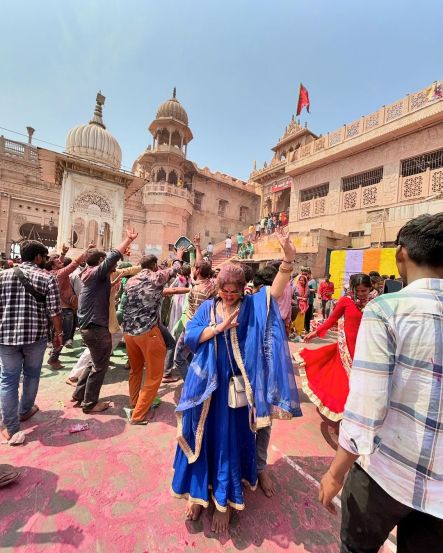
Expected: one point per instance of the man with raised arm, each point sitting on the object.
(93, 318)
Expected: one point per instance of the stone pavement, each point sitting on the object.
(106, 489)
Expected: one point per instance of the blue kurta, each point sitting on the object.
(216, 449)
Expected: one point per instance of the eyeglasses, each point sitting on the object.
(230, 292)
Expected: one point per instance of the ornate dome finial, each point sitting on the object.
(97, 117)
(174, 92)
(93, 141)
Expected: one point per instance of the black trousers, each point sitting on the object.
(98, 340)
(170, 349)
(308, 317)
(369, 514)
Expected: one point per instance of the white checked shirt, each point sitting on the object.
(24, 320)
(394, 413)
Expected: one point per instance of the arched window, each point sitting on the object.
(105, 234)
(172, 178)
(78, 233)
(176, 139)
(161, 175)
(163, 136)
(92, 232)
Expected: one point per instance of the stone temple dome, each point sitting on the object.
(93, 141)
(173, 108)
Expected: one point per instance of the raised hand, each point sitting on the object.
(197, 240)
(309, 337)
(91, 246)
(131, 234)
(180, 253)
(286, 244)
(65, 249)
(229, 322)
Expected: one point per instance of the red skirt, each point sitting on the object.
(325, 380)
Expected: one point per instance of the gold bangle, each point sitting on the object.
(287, 262)
(283, 270)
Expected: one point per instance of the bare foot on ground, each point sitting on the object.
(266, 484)
(5, 434)
(193, 511)
(99, 407)
(220, 521)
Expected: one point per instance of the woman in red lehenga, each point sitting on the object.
(325, 371)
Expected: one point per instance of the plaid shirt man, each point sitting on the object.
(394, 413)
(23, 319)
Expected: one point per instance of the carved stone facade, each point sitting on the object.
(75, 199)
(381, 169)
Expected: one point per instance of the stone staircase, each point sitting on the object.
(266, 248)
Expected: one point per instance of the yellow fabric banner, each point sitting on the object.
(337, 271)
(387, 262)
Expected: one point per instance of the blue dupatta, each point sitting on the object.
(261, 353)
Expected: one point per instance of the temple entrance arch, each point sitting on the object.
(283, 200)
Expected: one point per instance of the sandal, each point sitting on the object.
(7, 475)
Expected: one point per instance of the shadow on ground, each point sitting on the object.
(36, 492)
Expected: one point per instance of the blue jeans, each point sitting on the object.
(67, 323)
(13, 360)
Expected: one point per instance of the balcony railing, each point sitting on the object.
(164, 187)
(18, 150)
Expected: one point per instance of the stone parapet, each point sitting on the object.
(386, 123)
(18, 150)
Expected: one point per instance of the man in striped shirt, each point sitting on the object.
(393, 419)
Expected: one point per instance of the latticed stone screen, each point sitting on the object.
(437, 182)
(413, 187)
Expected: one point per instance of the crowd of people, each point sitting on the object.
(245, 246)
(226, 333)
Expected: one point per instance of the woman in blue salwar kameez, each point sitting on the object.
(232, 335)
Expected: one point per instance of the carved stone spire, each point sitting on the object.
(174, 93)
(97, 117)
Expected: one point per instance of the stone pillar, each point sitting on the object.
(65, 217)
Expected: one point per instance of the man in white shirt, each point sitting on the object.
(210, 251)
(228, 245)
(393, 419)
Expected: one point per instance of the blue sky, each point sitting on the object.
(237, 65)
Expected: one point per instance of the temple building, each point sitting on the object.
(83, 194)
(357, 185)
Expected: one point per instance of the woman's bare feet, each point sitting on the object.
(220, 521)
(266, 484)
(193, 511)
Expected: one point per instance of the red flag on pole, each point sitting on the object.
(303, 99)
